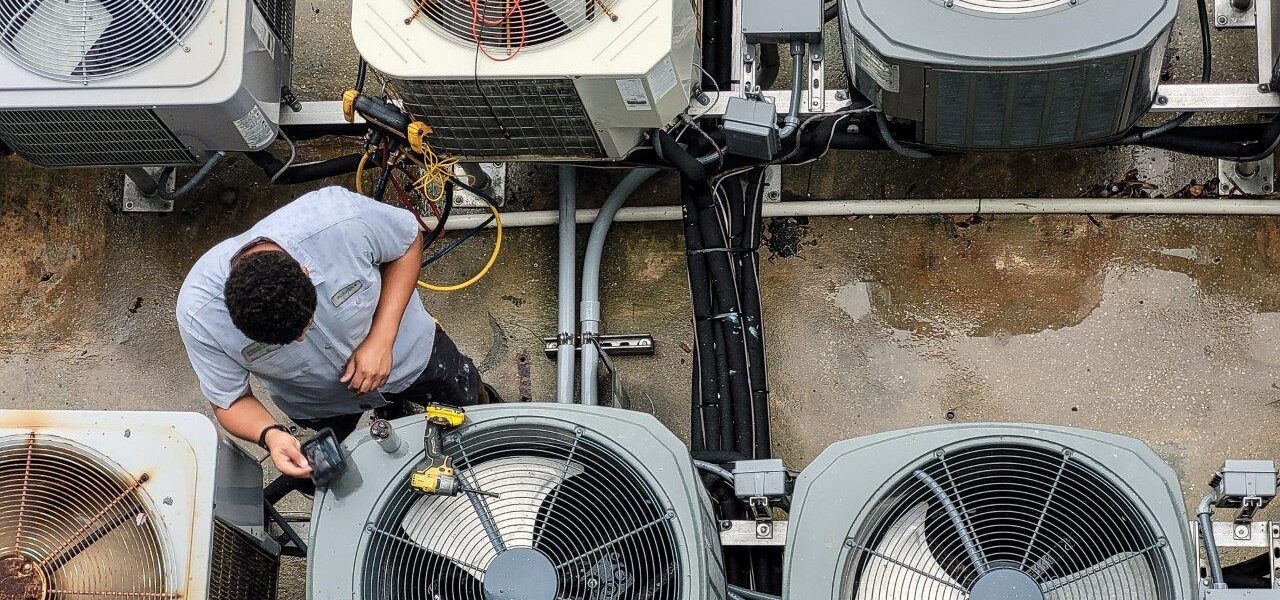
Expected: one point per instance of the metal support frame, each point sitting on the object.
(1228, 14)
(492, 180)
(1250, 179)
(1227, 534)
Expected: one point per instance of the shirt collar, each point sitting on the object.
(297, 252)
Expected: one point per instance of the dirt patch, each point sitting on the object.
(52, 236)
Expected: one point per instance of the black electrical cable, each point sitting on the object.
(770, 64)
(1240, 143)
(882, 123)
(752, 309)
(706, 404)
(304, 173)
(832, 11)
(455, 244)
(361, 70)
(1140, 134)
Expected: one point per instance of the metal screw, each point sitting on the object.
(128, 205)
(1162, 100)
(726, 525)
(1222, 19)
(775, 195)
(763, 529)
(841, 95)
(853, 129)
(1242, 532)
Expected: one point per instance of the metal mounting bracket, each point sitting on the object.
(143, 197)
(610, 345)
(753, 533)
(1228, 13)
(492, 178)
(1226, 534)
(773, 183)
(1248, 179)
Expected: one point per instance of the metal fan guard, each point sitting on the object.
(74, 524)
(90, 40)
(497, 25)
(1009, 7)
(1034, 512)
(605, 532)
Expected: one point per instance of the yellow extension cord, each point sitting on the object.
(431, 173)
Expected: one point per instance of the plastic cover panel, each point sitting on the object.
(503, 118)
(66, 138)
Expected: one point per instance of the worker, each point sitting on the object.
(319, 301)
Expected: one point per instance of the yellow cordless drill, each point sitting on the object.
(435, 474)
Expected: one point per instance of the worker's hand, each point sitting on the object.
(369, 367)
(286, 453)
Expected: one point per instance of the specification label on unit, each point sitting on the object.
(255, 129)
(263, 31)
(634, 94)
(873, 64)
(663, 79)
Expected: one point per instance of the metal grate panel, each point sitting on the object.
(503, 118)
(240, 568)
(106, 137)
(280, 15)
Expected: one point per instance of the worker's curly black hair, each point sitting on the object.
(270, 298)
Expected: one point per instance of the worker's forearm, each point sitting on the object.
(245, 419)
(399, 277)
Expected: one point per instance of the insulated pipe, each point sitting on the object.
(843, 208)
(568, 280)
(589, 312)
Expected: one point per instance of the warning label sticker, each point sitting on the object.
(634, 96)
(885, 74)
(255, 128)
(263, 31)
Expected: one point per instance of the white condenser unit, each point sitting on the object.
(534, 79)
(141, 82)
(120, 505)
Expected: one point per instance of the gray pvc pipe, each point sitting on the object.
(1204, 515)
(568, 283)
(589, 311)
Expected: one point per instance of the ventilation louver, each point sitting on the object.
(534, 79)
(141, 82)
(989, 513)
(562, 512)
(121, 505)
(1064, 73)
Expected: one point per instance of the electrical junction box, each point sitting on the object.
(782, 21)
(751, 128)
(760, 478)
(1247, 479)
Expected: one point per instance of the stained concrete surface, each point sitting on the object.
(1160, 328)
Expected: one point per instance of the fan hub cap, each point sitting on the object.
(1006, 584)
(520, 574)
(21, 579)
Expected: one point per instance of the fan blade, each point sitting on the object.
(1136, 573)
(452, 526)
(905, 569)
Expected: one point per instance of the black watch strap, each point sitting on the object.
(262, 437)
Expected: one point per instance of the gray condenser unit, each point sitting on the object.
(141, 82)
(989, 512)
(558, 503)
(145, 505)
(1005, 74)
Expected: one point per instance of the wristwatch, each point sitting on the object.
(262, 437)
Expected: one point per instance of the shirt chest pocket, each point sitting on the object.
(352, 301)
(275, 361)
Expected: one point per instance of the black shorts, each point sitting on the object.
(450, 378)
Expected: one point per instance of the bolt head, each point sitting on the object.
(1242, 531)
(1222, 20)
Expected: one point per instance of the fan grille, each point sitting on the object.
(1011, 6)
(73, 525)
(1042, 518)
(89, 40)
(509, 25)
(565, 501)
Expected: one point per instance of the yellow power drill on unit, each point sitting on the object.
(435, 474)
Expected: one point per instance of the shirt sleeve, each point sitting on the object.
(222, 380)
(389, 230)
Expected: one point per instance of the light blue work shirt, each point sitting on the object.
(342, 238)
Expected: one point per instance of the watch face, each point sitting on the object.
(325, 457)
